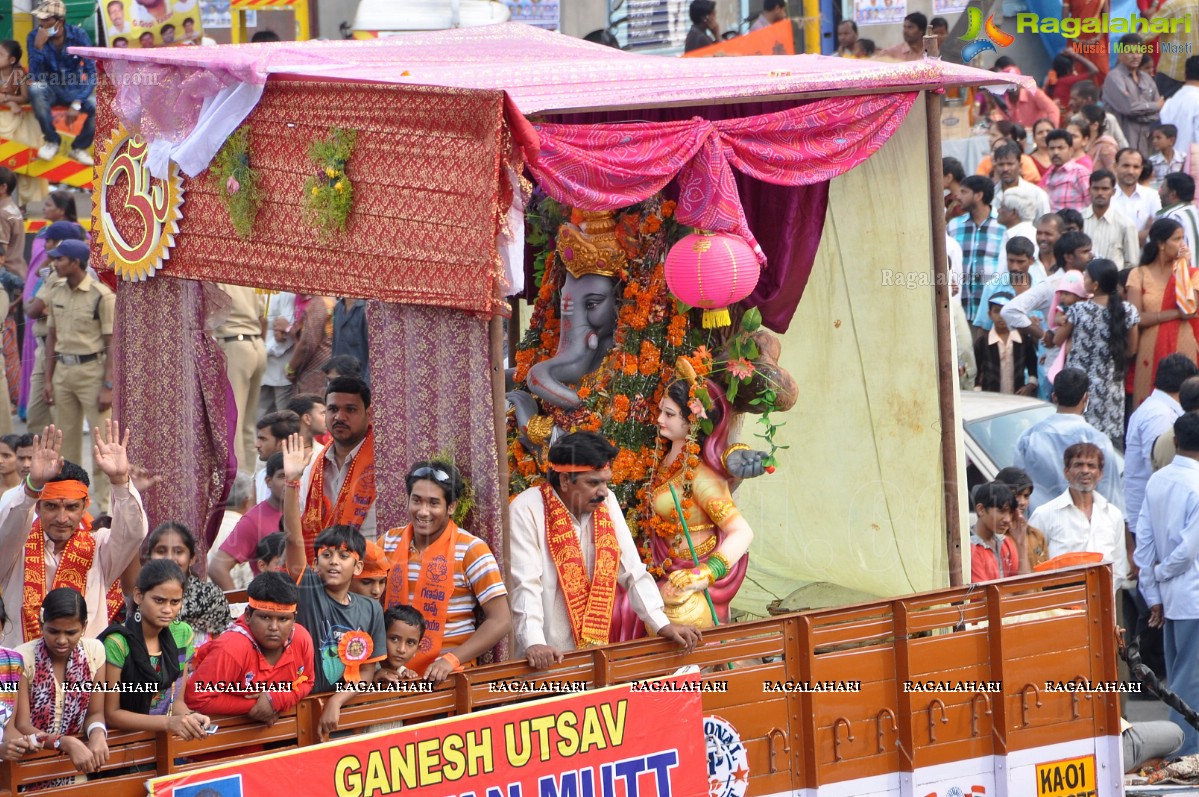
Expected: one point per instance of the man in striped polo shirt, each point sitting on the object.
(444, 573)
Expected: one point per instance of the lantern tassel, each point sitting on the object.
(717, 318)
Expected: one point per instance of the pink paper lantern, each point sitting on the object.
(712, 270)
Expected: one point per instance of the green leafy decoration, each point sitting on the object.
(237, 182)
(329, 194)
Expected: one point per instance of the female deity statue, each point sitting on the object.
(694, 465)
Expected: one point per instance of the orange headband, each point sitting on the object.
(267, 606)
(69, 489)
(342, 547)
(574, 468)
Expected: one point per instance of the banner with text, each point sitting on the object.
(601, 743)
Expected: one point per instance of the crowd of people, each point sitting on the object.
(1073, 263)
(331, 600)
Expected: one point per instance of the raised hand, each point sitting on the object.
(294, 458)
(47, 461)
(110, 453)
(142, 479)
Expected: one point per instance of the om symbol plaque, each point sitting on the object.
(138, 215)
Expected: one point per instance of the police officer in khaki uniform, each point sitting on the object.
(39, 414)
(241, 338)
(78, 348)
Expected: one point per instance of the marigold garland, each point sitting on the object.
(620, 398)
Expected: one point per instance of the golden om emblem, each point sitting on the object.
(137, 225)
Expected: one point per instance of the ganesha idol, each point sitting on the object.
(702, 468)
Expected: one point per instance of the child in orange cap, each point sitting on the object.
(372, 581)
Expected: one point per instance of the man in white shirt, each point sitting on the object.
(43, 526)
(1135, 202)
(1113, 235)
(1167, 543)
(1072, 252)
(1006, 160)
(1178, 202)
(572, 524)
(1182, 109)
(276, 387)
(1153, 418)
(1081, 519)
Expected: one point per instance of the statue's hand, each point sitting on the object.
(746, 463)
(693, 580)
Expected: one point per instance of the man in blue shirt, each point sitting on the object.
(1167, 544)
(56, 77)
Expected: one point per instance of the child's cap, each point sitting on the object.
(1000, 299)
(1071, 282)
(375, 564)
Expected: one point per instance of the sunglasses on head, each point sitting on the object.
(436, 474)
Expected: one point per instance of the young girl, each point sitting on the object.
(153, 647)
(405, 629)
(271, 553)
(10, 476)
(70, 720)
(1103, 334)
(15, 744)
(204, 606)
(1040, 153)
(1079, 128)
(1102, 148)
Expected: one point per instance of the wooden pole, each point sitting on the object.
(495, 331)
(947, 369)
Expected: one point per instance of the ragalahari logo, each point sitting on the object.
(978, 46)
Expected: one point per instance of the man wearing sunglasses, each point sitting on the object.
(446, 573)
(570, 548)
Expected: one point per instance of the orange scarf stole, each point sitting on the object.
(433, 589)
(73, 567)
(353, 502)
(589, 601)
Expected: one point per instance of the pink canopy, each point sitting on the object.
(540, 71)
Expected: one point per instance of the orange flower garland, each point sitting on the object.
(619, 399)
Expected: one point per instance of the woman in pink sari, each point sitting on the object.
(1163, 289)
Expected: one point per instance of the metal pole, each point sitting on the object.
(947, 371)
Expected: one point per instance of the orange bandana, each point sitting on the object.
(68, 489)
(589, 601)
(73, 567)
(433, 589)
(353, 502)
(267, 606)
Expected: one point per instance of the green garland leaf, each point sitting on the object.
(329, 194)
(237, 182)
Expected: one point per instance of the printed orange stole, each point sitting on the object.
(73, 567)
(589, 600)
(353, 502)
(433, 589)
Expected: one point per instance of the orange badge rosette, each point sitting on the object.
(354, 650)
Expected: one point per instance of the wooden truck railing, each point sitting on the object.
(1020, 633)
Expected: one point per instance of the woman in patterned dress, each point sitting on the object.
(1103, 335)
(72, 720)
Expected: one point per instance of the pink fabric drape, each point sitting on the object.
(602, 167)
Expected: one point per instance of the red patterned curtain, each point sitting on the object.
(607, 166)
(431, 374)
(174, 398)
